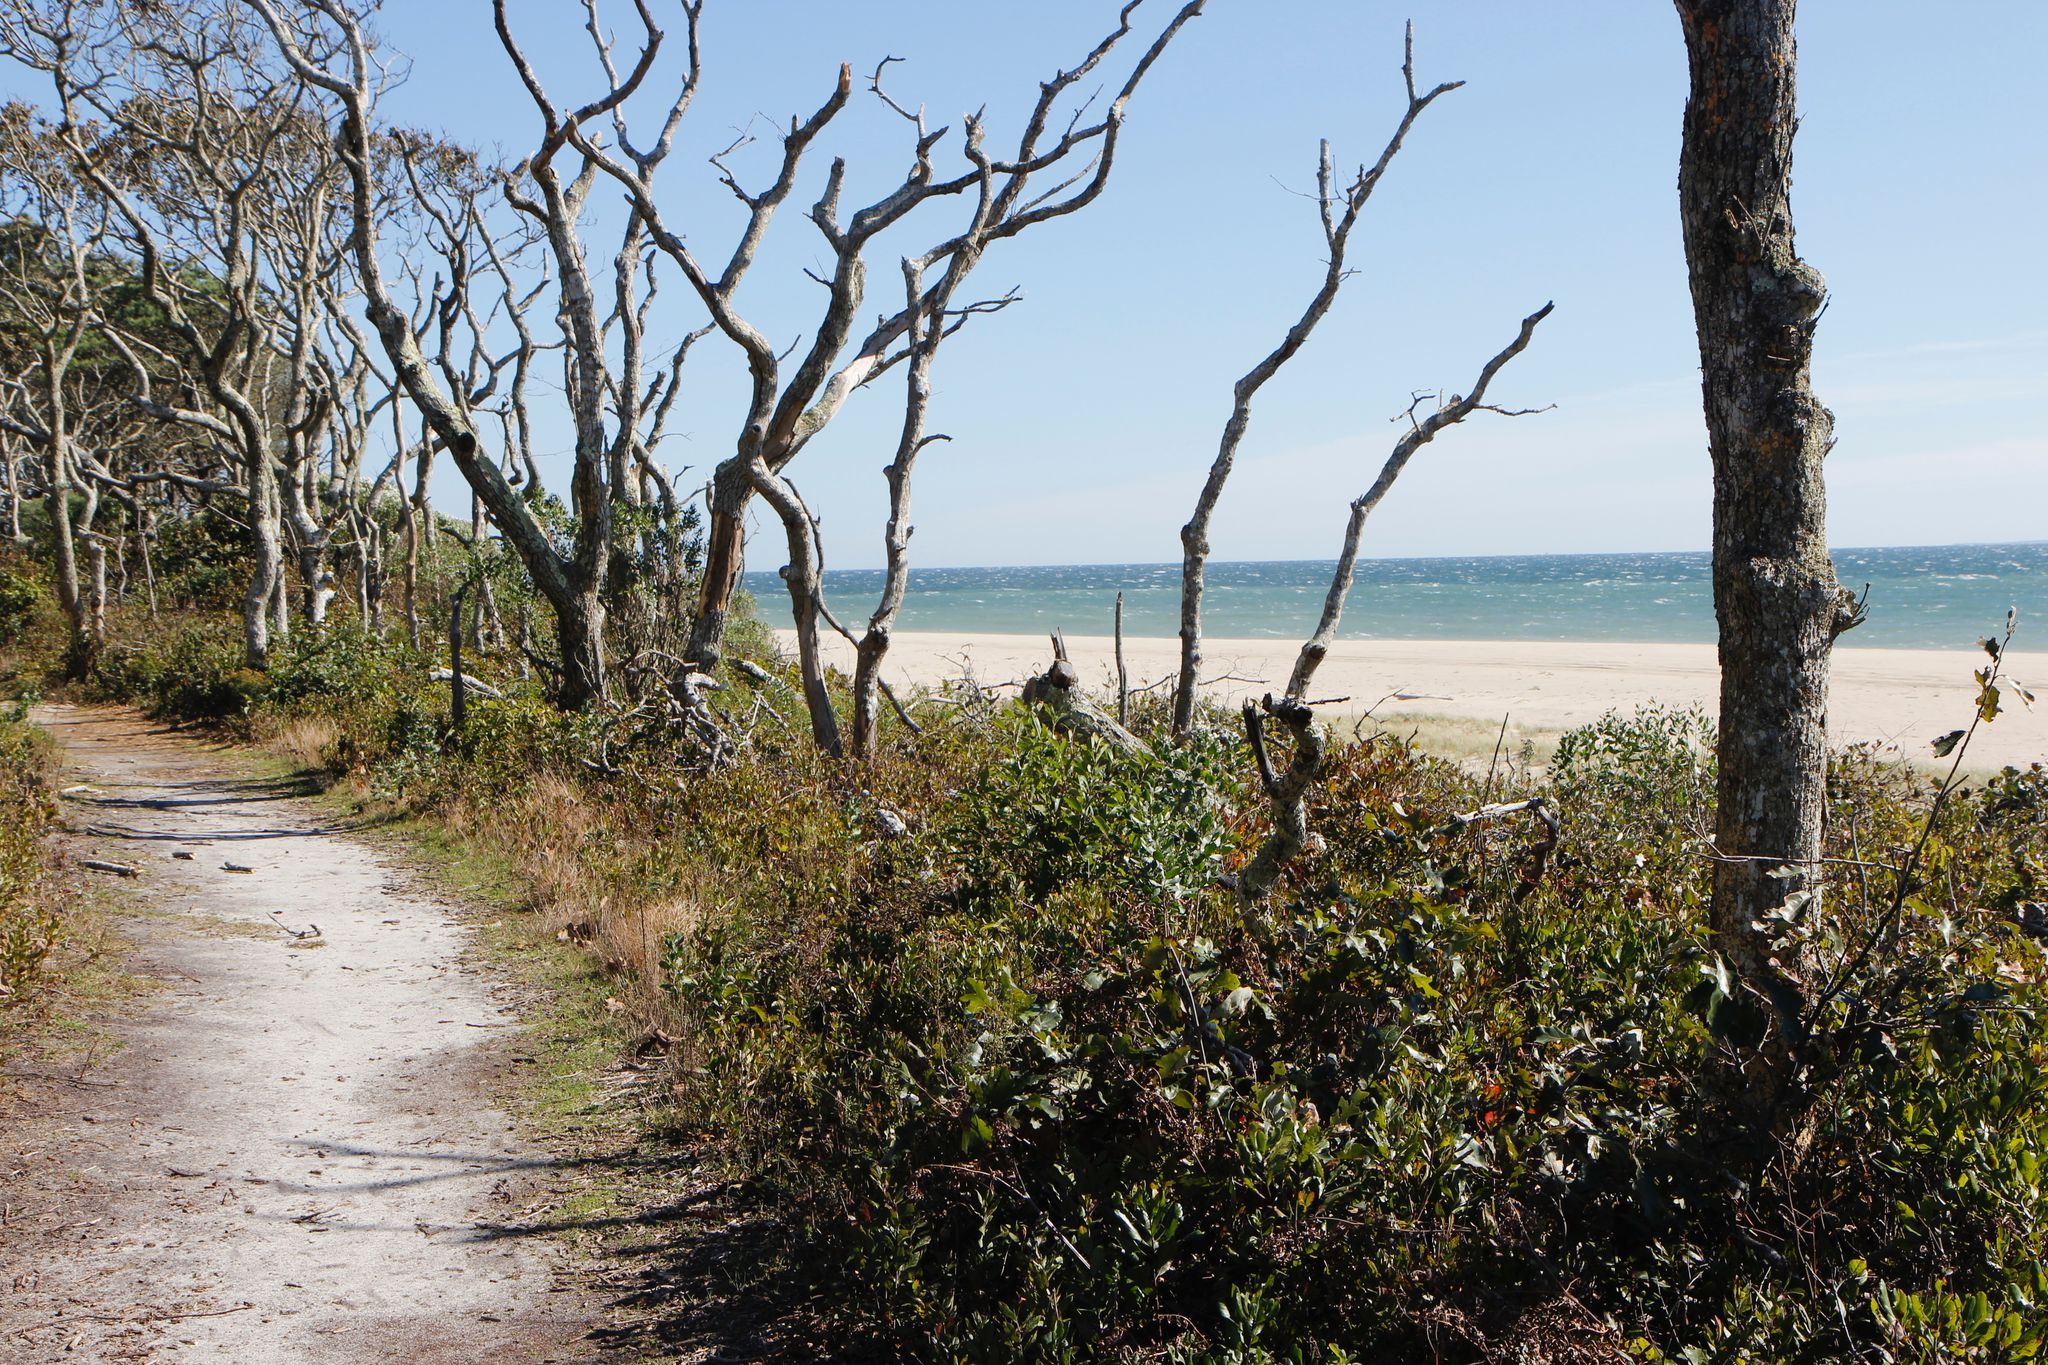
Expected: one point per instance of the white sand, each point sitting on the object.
(1457, 691)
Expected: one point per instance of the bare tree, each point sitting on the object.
(1288, 790)
(616, 412)
(785, 413)
(1775, 593)
(618, 397)
(1450, 410)
(223, 188)
(1338, 223)
(54, 278)
(11, 479)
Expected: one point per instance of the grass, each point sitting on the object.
(1464, 739)
(86, 989)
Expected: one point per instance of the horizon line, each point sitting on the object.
(1331, 559)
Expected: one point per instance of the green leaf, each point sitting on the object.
(1946, 745)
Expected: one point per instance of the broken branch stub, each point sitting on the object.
(1058, 691)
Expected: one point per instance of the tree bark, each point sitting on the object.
(724, 558)
(266, 535)
(1287, 792)
(1776, 599)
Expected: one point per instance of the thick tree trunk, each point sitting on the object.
(266, 535)
(724, 558)
(64, 555)
(1775, 593)
(579, 633)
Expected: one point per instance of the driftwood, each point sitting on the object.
(1073, 713)
(469, 684)
(118, 869)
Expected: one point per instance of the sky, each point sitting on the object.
(1083, 419)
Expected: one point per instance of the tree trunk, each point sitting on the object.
(144, 538)
(266, 535)
(458, 703)
(1776, 598)
(874, 644)
(96, 556)
(64, 553)
(579, 632)
(724, 558)
(412, 571)
(11, 476)
(316, 587)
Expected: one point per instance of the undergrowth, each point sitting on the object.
(30, 908)
(1018, 1080)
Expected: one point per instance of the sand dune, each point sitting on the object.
(1457, 691)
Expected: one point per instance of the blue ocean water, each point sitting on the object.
(1921, 597)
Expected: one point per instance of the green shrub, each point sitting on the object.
(186, 670)
(29, 921)
(1029, 1091)
(20, 597)
(1048, 813)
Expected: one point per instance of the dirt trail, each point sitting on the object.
(293, 1156)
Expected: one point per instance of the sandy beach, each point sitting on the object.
(1454, 693)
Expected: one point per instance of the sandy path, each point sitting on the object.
(292, 1157)
(1902, 697)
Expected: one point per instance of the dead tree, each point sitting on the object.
(51, 303)
(1058, 691)
(1340, 212)
(221, 187)
(1449, 411)
(786, 410)
(618, 395)
(1776, 597)
(11, 480)
(1288, 791)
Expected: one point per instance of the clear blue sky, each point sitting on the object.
(1084, 419)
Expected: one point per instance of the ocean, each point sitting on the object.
(1921, 597)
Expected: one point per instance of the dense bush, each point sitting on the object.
(20, 597)
(28, 912)
(1037, 1097)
